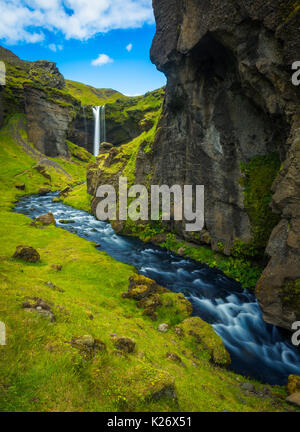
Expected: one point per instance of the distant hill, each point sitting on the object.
(89, 95)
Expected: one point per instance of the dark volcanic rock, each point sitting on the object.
(47, 122)
(229, 98)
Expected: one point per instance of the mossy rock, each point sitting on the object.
(293, 385)
(124, 344)
(204, 337)
(162, 386)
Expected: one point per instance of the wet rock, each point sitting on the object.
(118, 226)
(124, 344)
(46, 219)
(181, 251)
(44, 191)
(293, 385)
(27, 253)
(294, 399)
(163, 328)
(66, 222)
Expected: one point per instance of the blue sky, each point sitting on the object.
(104, 43)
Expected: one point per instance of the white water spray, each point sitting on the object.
(96, 112)
(100, 128)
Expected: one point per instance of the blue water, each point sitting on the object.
(257, 349)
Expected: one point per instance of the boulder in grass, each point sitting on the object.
(46, 219)
(40, 306)
(88, 346)
(124, 344)
(44, 191)
(163, 328)
(27, 253)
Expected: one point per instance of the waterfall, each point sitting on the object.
(100, 128)
(96, 112)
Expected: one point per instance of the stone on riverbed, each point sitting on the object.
(46, 219)
(44, 191)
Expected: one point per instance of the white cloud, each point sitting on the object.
(25, 20)
(129, 47)
(101, 60)
(55, 48)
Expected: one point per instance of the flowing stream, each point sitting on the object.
(257, 349)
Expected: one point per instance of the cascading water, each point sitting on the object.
(100, 128)
(257, 349)
(96, 112)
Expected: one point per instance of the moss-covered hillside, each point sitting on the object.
(89, 95)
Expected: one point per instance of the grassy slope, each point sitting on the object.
(39, 370)
(88, 95)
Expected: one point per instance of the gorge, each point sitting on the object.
(146, 314)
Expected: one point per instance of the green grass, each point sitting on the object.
(78, 198)
(88, 95)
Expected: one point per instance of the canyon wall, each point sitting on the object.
(230, 101)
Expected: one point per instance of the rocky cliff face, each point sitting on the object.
(229, 102)
(38, 90)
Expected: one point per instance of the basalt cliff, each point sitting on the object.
(231, 122)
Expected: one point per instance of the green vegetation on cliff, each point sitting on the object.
(258, 177)
(89, 95)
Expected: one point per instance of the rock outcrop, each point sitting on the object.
(47, 123)
(229, 99)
